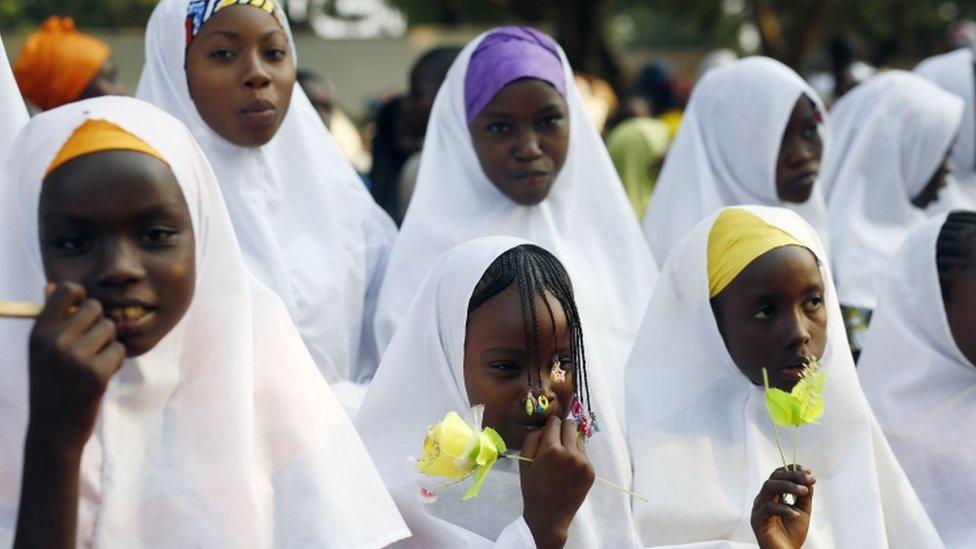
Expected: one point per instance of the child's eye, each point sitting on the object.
(505, 367)
(72, 243)
(763, 313)
(810, 132)
(814, 303)
(222, 54)
(499, 127)
(275, 54)
(551, 120)
(158, 235)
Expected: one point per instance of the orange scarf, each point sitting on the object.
(57, 63)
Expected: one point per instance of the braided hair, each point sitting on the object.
(537, 273)
(954, 248)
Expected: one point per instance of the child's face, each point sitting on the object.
(497, 359)
(960, 306)
(241, 74)
(521, 138)
(773, 316)
(117, 223)
(930, 193)
(799, 154)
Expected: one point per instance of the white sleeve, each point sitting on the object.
(516, 536)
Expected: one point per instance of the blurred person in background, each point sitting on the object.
(321, 93)
(637, 148)
(401, 125)
(58, 65)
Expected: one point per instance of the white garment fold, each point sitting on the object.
(955, 72)
(224, 434)
(726, 150)
(421, 379)
(890, 133)
(307, 226)
(702, 441)
(13, 112)
(586, 222)
(923, 389)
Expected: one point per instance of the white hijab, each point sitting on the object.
(890, 135)
(421, 379)
(308, 228)
(702, 441)
(923, 389)
(955, 73)
(224, 434)
(586, 222)
(726, 150)
(13, 113)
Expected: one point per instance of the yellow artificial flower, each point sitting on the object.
(453, 449)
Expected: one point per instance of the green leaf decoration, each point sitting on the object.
(480, 474)
(804, 404)
(496, 439)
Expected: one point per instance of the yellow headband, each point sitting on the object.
(737, 238)
(97, 136)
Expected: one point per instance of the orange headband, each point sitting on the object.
(57, 63)
(97, 136)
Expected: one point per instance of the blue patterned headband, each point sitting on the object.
(199, 11)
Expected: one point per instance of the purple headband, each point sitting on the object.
(508, 54)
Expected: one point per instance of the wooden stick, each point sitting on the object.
(20, 309)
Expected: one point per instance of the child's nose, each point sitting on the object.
(120, 265)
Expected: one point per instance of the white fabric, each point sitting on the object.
(702, 441)
(13, 113)
(955, 73)
(224, 434)
(586, 222)
(308, 228)
(421, 379)
(890, 135)
(923, 389)
(726, 150)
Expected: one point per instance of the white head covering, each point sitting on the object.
(726, 150)
(421, 379)
(923, 389)
(955, 73)
(307, 226)
(891, 133)
(13, 113)
(224, 434)
(586, 222)
(702, 441)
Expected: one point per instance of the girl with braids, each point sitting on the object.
(918, 371)
(495, 322)
(749, 289)
(510, 151)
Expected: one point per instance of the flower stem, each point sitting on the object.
(778, 444)
(796, 438)
(598, 477)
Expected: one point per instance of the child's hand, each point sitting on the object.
(73, 355)
(776, 524)
(555, 484)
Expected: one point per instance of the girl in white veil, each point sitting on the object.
(918, 372)
(578, 211)
(892, 134)
(202, 421)
(955, 72)
(750, 288)
(753, 133)
(307, 226)
(477, 329)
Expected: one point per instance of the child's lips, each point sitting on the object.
(130, 319)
